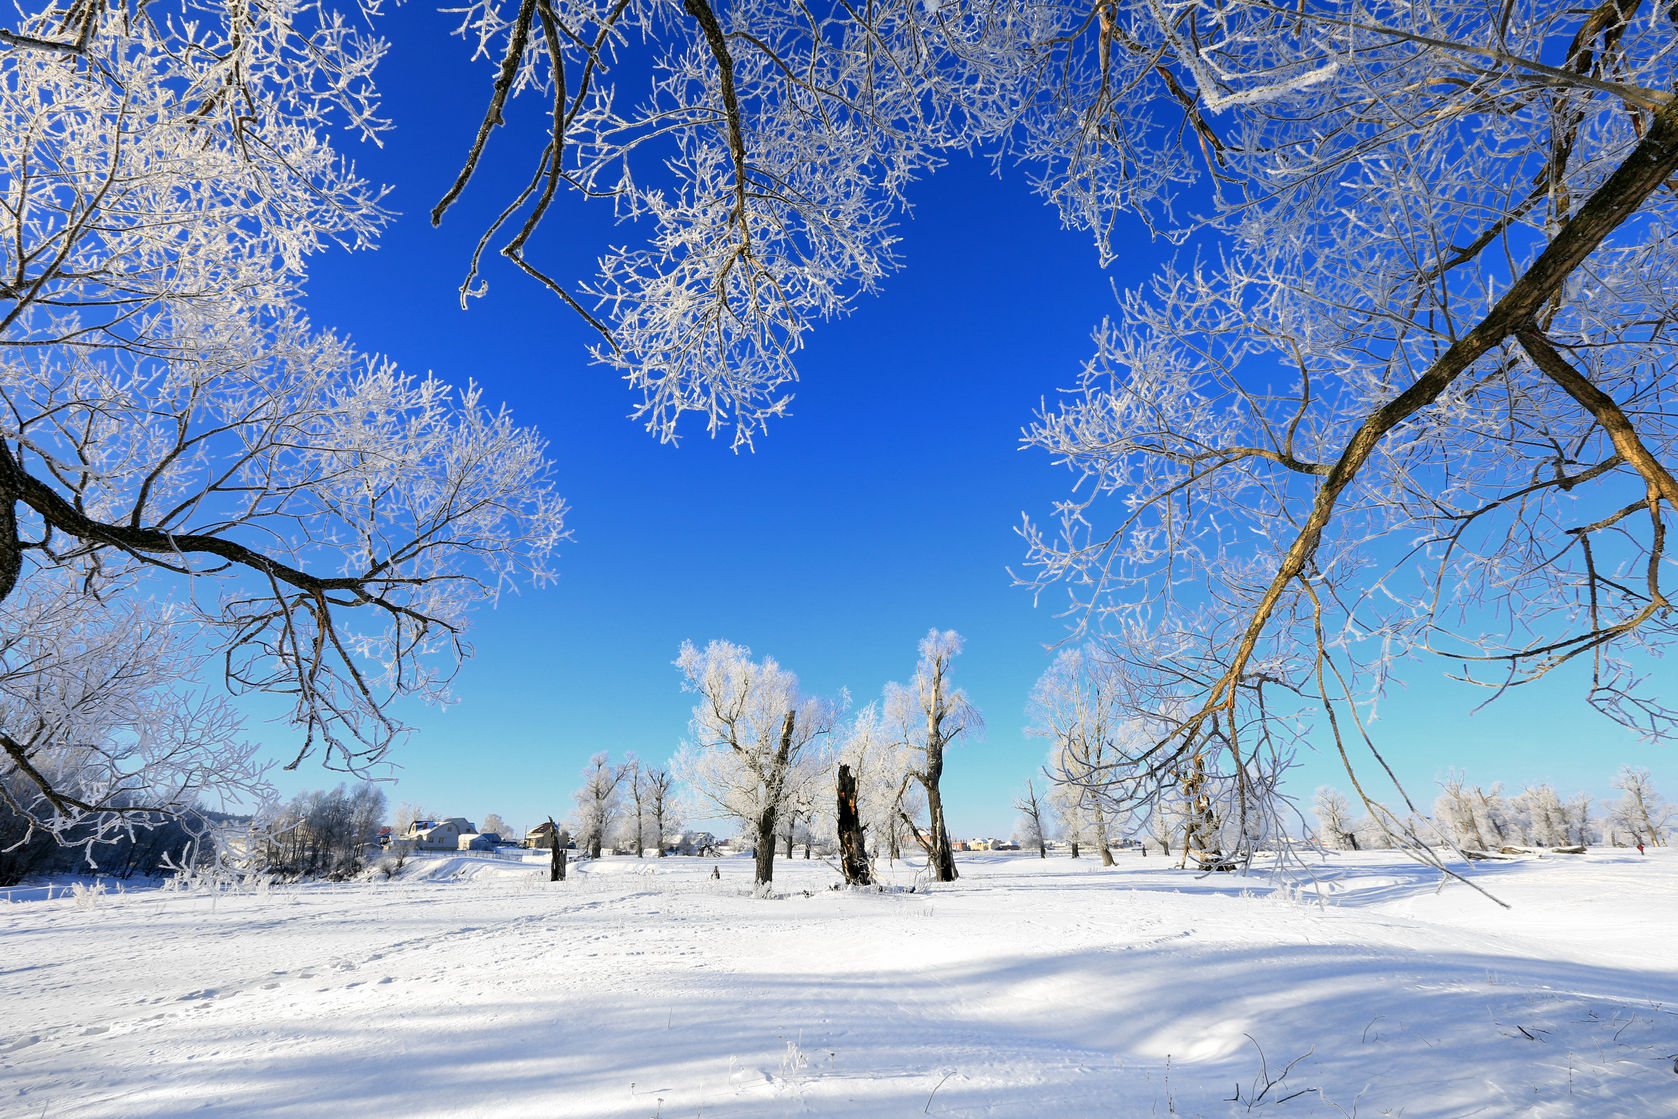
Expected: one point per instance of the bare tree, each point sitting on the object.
(927, 716)
(753, 739)
(1031, 829)
(1106, 709)
(662, 809)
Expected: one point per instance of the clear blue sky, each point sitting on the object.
(884, 506)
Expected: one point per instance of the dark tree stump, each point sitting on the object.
(853, 858)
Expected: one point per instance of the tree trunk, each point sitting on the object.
(766, 847)
(1200, 829)
(1073, 843)
(853, 859)
(773, 794)
(938, 853)
(1101, 838)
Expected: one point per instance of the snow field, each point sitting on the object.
(643, 988)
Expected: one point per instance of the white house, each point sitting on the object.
(479, 842)
(439, 835)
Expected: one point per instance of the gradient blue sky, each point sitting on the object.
(885, 505)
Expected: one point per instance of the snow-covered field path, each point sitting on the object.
(643, 988)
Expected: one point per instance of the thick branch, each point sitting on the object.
(1603, 409)
(1644, 171)
(16, 484)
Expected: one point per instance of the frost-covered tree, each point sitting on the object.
(1160, 826)
(1491, 812)
(754, 740)
(1474, 817)
(199, 490)
(1454, 814)
(1426, 349)
(633, 830)
(1108, 706)
(878, 761)
(493, 823)
(1581, 828)
(1066, 808)
(1076, 704)
(1641, 810)
(926, 716)
(663, 810)
(1540, 816)
(599, 802)
(1334, 819)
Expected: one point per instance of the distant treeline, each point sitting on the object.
(151, 845)
(324, 833)
(1483, 817)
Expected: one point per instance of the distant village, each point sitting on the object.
(456, 833)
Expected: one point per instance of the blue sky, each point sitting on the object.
(885, 505)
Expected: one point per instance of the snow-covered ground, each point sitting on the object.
(642, 988)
